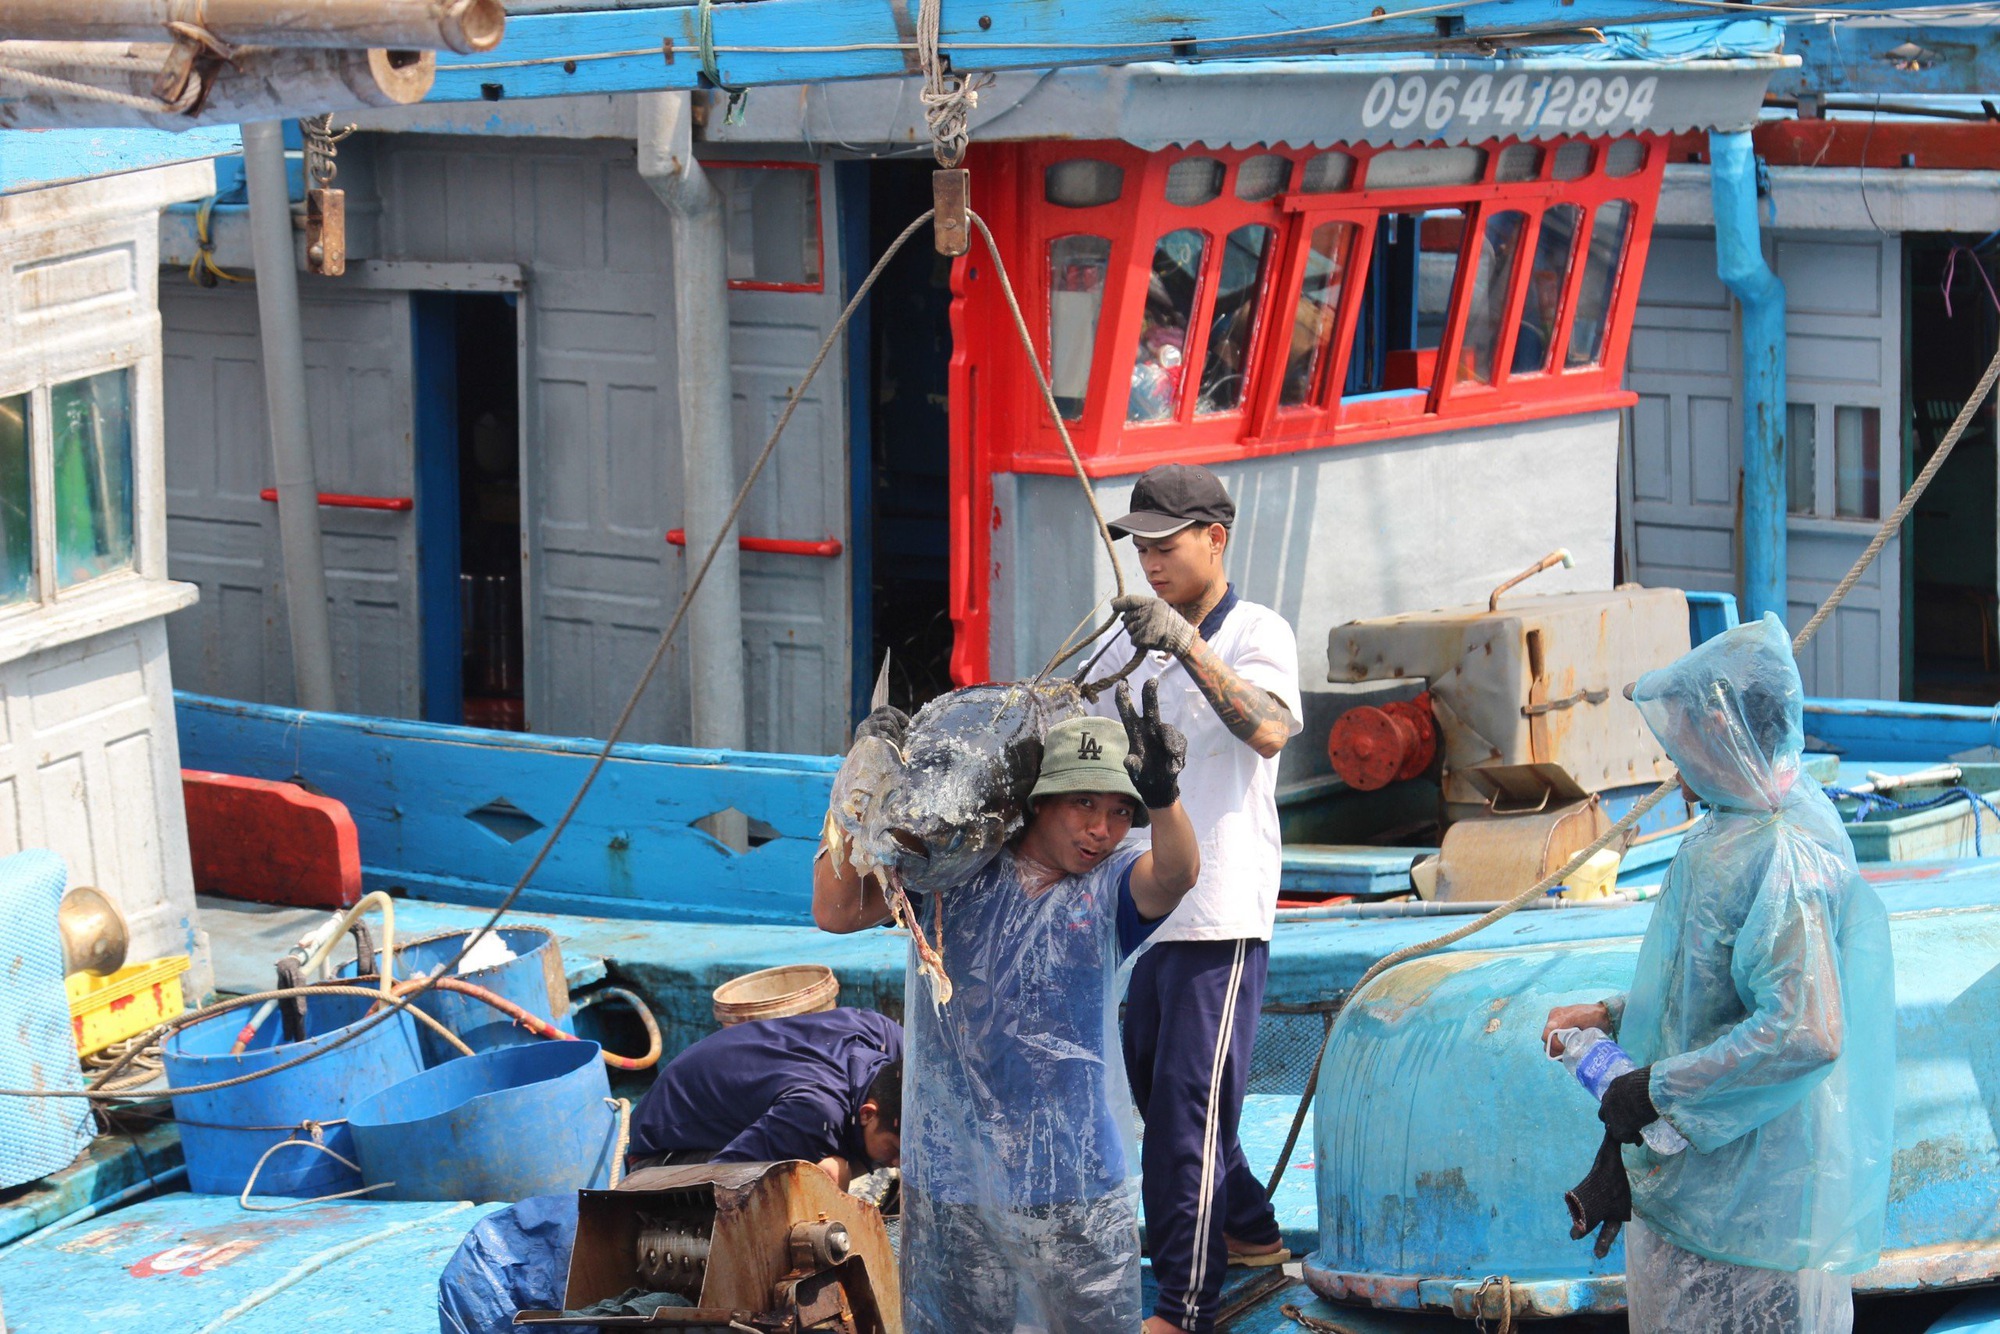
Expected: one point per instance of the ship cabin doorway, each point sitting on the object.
(1952, 318)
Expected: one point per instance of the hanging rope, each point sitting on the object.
(1868, 803)
(203, 269)
(704, 36)
(1659, 794)
(949, 99)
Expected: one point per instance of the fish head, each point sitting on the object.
(871, 772)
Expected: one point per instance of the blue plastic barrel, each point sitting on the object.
(533, 980)
(224, 1133)
(502, 1125)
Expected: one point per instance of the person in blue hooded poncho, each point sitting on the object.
(1761, 1019)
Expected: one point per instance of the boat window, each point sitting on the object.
(1518, 162)
(1404, 168)
(1573, 161)
(1314, 320)
(1407, 299)
(1077, 265)
(1083, 182)
(771, 217)
(1600, 276)
(1262, 177)
(1227, 363)
(1535, 340)
(1327, 173)
(1800, 457)
(1625, 157)
(1857, 463)
(17, 532)
(1194, 180)
(91, 423)
(1492, 286)
(1163, 325)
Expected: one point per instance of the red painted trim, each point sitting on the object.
(776, 546)
(270, 842)
(819, 231)
(337, 501)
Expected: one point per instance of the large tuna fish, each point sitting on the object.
(930, 815)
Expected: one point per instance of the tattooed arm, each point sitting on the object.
(1253, 715)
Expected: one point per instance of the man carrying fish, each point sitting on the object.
(1018, 1200)
(1227, 672)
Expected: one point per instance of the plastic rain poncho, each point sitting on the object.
(1020, 1208)
(1763, 998)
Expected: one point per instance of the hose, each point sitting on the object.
(541, 1027)
(323, 942)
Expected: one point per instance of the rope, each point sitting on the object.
(1660, 793)
(949, 99)
(1049, 396)
(1867, 803)
(704, 36)
(1506, 1286)
(312, 1129)
(624, 1140)
(1316, 1324)
(90, 92)
(1903, 507)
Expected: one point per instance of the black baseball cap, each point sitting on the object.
(1173, 496)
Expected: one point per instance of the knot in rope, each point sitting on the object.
(704, 36)
(948, 98)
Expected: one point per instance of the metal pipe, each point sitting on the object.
(285, 405)
(259, 84)
(708, 454)
(464, 26)
(1441, 908)
(1739, 262)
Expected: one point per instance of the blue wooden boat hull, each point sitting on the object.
(1424, 1191)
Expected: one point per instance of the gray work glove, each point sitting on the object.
(889, 723)
(1155, 751)
(1153, 625)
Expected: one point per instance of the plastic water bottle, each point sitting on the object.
(1595, 1060)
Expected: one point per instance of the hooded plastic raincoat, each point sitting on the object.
(1020, 1207)
(1763, 998)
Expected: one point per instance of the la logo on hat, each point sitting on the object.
(1088, 748)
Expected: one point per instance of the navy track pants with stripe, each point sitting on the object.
(1190, 1020)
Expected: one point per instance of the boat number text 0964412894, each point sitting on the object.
(1523, 100)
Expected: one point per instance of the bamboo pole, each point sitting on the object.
(464, 26)
(258, 84)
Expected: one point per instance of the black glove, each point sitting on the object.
(1155, 750)
(1152, 625)
(889, 723)
(1602, 1200)
(1627, 1106)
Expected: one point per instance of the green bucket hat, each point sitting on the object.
(1087, 755)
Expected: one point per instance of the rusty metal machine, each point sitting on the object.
(1522, 720)
(755, 1248)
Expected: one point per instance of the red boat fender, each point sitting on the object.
(270, 842)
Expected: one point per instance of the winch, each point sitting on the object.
(767, 1248)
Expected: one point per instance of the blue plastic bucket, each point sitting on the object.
(224, 1133)
(501, 1125)
(533, 980)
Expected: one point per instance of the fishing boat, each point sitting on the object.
(1456, 328)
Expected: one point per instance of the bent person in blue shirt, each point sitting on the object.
(1019, 1199)
(826, 1088)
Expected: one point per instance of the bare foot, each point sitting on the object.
(1155, 1325)
(1252, 1248)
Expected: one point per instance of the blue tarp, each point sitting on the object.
(517, 1259)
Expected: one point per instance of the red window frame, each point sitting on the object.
(1000, 424)
(819, 224)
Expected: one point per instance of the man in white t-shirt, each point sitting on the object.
(1228, 673)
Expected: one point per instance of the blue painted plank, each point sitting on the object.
(33, 159)
(1849, 58)
(434, 340)
(1977, 1314)
(1888, 730)
(632, 850)
(191, 1262)
(111, 1164)
(1332, 868)
(633, 50)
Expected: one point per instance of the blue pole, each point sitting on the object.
(1739, 262)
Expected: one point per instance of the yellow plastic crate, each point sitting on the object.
(110, 1009)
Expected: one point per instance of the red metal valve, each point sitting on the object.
(1373, 747)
